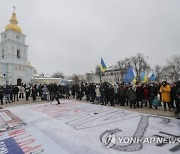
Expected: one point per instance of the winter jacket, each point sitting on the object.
(165, 93)
(131, 95)
(139, 93)
(178, 93)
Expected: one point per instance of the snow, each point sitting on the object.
(78, 127)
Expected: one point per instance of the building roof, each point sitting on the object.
(13, 24)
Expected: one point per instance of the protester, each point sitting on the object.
(104, 93)
(15, 93)
(165, 90)
(44, 92)
(55, 94)
(152, 92)
(1, 94)
(21, 91)
(7, 94)
(139, 95)
(98, 95)
(177, 100)
(111, 95)
(131, 96)
(27, 91)
(34, 93)
(122, 94)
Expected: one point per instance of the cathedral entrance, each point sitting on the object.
(19, 81)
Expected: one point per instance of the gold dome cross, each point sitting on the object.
(13, 23)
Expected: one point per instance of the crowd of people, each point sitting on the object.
(136, 96)
(152, 95)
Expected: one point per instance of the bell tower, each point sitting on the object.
(13, 49)
(14, 53)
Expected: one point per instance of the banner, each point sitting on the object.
(27, 140)
(9, 121)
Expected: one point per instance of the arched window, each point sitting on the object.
(18, 54)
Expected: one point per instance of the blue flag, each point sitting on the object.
(152, 77)
(129, 77)
(103, 66)
(143, 77)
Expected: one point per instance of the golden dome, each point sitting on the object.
(13, 23)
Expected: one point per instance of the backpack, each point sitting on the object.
(156, 102)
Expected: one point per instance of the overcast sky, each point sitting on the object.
(71, 36)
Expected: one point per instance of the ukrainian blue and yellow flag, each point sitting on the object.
(129, 77)
(103, 66)
(143, 77)
(152, 77)
(134, 81)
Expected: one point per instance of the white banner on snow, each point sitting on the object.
(85, 128)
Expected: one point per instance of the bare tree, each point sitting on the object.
(122, 67)
(83, 80)
(139, 64)
(172, 68)
(58, 75)
(75, 78)
(98, 70)
(158, 72)
(89, 76)
(174, 64)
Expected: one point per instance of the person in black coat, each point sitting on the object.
(11, 93)
(177, 99)
(87, 93)
(77, 91)
(15, 92)
(106, 93)
(34, 93)
(92, 91)
(131, 96)
(102, 93)
(7, 94)
(82, 90)
(153, 91)
(1, 94)
(173, 94)
(111, 95)
(40, 91)
(73, 90)
(55, 94)
(122, 91)
(67, 89)
(27, 92)
(139, 95)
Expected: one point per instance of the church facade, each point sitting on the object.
(14, 65)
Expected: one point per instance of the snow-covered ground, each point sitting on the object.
(76, 127)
